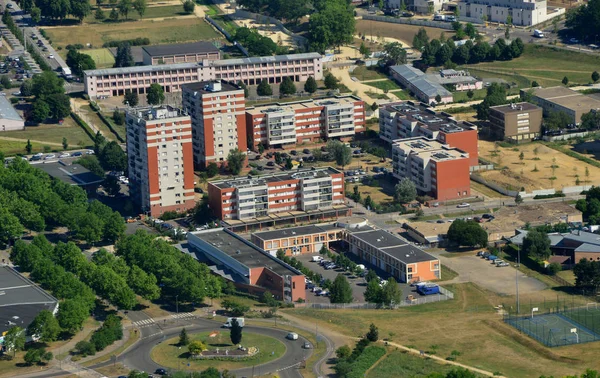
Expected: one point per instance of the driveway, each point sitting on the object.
(483, 273)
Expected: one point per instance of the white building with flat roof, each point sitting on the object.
(523, 12)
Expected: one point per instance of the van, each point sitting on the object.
(450, 18)
(316, 258)
(439, 17)
(292, 336)
(538, 33)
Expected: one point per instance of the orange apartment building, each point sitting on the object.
(309, 121)
(160, 163)
(218, 120)
(436, 169)
(307, 190)
(373, 246)
(251, 269)
(401, 120)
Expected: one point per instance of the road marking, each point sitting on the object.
(144, 323)
(183, 315)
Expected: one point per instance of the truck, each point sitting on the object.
(538, 33)
(439, 17)
(316, 259)
(66, 72)
(229, 322)
(428, 289)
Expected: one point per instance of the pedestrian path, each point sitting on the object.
(184, 315)
(144, 323)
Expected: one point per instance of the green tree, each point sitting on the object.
(496, 95)
(114, 15)
(264, 89)
(565, 80)
(557, 120)
(124, 57)
(10, 227)
(244, 87)
(85, 348)
(235, 333)
(467, 233)
(332, 25)
(143, 284)
(33, 356)
(373, 334)
(391, 293)
(112, 157)
(212, 169)
(28, 147)
(340, 291)
(470, 30)
(373, 292)
(330, 81)
(188, 6)
(311, 85)
(155, 94)
(196, 347)
(65, 143)
(595, 76)
(59, 105)
(40, 111)
(99, 15)
(420, 39)
(140, 7)
(460, 373)
(364, 50)
(131, 98)
(395, 53)
(405, 191)
(71, 315)
(288, 163)
(235, 161)
(287, 87)
(341, 153)
(14, 339)
(124, 6)
(590, 120)
(343, 352)
(518, 199)
(537, 245)
(183, 337)
(26, 88)
(45, 326)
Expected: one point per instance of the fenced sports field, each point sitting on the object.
(560, 326)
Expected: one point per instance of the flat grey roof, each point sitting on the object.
(246, 253)
(266, 59)
(20, 299)
(420, 81)
(393, 245)
(7, 111)
(380, 238)
(409, 254)
(181, 48)
(290, 232)
(73, 174)
(514, 108)
(269, 178)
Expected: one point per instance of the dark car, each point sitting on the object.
(269, 155)
(486, 216)
(260, 167)
(294, 152)
(270, 163)
(35, 158)
(258, 157)
(306, 151)
(284, 155)
(77, 154)
(198, 190)
(160, 372)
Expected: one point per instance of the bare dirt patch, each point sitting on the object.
(399, 32)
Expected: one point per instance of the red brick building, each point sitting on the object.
(254, 197)
(218, 120)
(160, 162)
(287, 124)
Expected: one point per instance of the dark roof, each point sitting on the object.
(180, 48)
(289, 232)
(244, 252)
(427, 117)
(20, 299)
(73, 174)
(409, 254)
(380, 238)
(392, 245)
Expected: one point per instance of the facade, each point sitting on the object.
(436, 169)
(401, 120)
(561, 99)
(459, 80)
(523, 12)
(415, 81)
(520, 122)
(254, 197)
(218, 120)
(418, 6)
(287, 124)
(115, 81)
(10, 120)
(160, 163)
(298, 240)
(180, 53)
(394, 255)
(250, 268)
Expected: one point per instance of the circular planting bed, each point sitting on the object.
(260, 349)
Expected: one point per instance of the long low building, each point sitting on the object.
(250, 268)
(561, 99)
(180, 53)
(420, 85)
(251, 71)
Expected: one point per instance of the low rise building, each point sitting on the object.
(401, 120)
(415, 81)
(418, 6)
(180, 53)
(305, 190)
(429, 234)
(287, 124)
(251, 269)
(562, 99)
(436, 169)
(298, 240)
(10, 120)
(458, 80)
(521, 122)
(160, 162)
(521, 12)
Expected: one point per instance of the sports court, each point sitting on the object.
(573, 326)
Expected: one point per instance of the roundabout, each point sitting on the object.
(221, 354)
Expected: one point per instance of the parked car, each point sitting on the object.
(50, 56)
(306, 345)
(48, 157)
(486, 216)
(89, 152)
(270, 163)
(294, 152)
(306, 151)
(160, 371)
(492, 257)
(502, 264)
(464, 204)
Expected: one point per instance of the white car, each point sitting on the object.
(89, 152)
(64, 155)
(51, 156)
(50, 56)
(464, 204)
(39, 154)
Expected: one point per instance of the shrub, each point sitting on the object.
(553, 268)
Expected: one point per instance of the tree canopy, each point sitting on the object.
(467, 233)
(340, 290)
(584, 21)
(332, 25)
(235, 161)
(495, 95)
(536, 245)
(341, 153)
(405, 191)
(155, 94)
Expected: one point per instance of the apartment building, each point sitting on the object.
(251, 71)
(522, 12)
(159, 153)
(520, 122)
(436, 169)
(251, 269)
(287, 124)
(218, 120)
(561, 99)
(254, 197)
(180, 53)
(401, 120)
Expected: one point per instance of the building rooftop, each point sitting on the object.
(567, 97)
(451, 77)
(211, 86)
(514, 108)
(428, 118)
(303, 104)
(150, 113)
(249, 181)
(244, 252)
(181, 48)
(293, 231)
(420, 81)
(20, 299)
(73, 174)
(392, 245)
(194, 65)
(429, 149)
(7, 111)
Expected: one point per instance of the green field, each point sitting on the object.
(402, 364)
(11, 147)
(478, 94)
(103, 57)
(384, 85)
(151, 12)
(169, 355)
(167, 31)
(402, 95)
(52, 135)
(546, 65)
(363, 73)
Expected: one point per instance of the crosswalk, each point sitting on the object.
(183, 315)
(144, 323)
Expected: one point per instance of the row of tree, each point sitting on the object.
(50, 98)
(590, 206)
(438, 53)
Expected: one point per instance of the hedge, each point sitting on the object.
(38, 59)
(132, 42)
(84, 126)
(367, 358)
(109, 125)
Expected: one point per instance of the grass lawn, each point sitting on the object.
(225, 22)
(448, 274)
(517, 80)
(377, 96)
(384, 85)
(406, 365)
(567, 275)
(102, 57)
(53, 135)
(96, 121)
(468, 324)
(364, 73)
(151, 12)
(478, 94)
(167, 31)
(133, 337)
(547, 65)
(168, 353)
(212, 9)
(12, 147)
(402, 95)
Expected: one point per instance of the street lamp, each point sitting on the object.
(535, 309)
(517, 275)
(177, 308)
(574, 330)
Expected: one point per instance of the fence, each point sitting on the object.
(574, 190)
(553, 138)
(408, 21)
